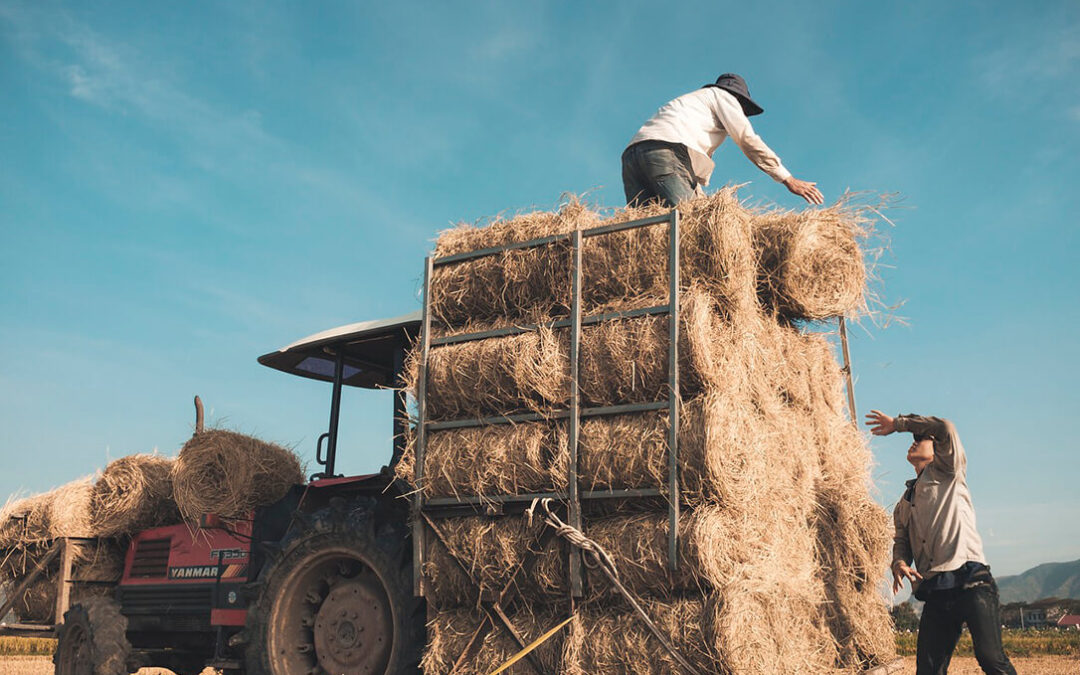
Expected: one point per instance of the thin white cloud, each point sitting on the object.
(1052, 56)
(227, 142)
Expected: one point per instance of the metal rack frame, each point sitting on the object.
(572, 497)
(64, 548)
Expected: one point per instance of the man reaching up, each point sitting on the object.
(935, 529)
(670, 157)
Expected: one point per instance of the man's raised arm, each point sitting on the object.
(948, 452)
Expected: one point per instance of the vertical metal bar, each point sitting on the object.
(63, 591)
(847, 372)
(673, 386)
(576, 582)
(335, 415)
(421, 436)
(400, 424)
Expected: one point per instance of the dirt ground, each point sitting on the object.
(1035, 665)
(1038, 665)
(42, 665)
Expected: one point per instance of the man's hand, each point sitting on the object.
(900, 571)
(882, 424)
(804, 189)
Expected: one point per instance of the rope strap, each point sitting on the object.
(532, 645)
(600, 558)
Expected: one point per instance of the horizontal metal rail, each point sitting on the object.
(560, 323)
(548, 416)
(438, 502)
(551, 239)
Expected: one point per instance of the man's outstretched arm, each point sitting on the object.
(738, 127)
(948, 452)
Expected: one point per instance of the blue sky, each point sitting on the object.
(184, 187)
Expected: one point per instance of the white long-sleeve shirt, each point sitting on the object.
(701, 120)
(935, 521)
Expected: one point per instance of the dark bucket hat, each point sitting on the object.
(736, 85)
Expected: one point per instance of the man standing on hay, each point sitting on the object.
(935, 528)
(670, 157)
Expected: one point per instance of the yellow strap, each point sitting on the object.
(531, 646)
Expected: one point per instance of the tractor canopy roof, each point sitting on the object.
(371, 352)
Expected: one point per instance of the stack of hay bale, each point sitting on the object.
(781, 545)
(216, 471)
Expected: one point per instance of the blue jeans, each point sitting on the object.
(943, 617)
(655, 170)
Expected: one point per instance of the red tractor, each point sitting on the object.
(320, 582)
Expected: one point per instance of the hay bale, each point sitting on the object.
(25, 521)
(491, 460)
(758, 629)
(715, 545)
(606, 641)
(230, 474)
(810, 263)
(99, 561)
(620, 271)
(134, 493)
(70, 512)
(854, 536)
(38, 603)
(621, 361)
(728, 454)
(499, 375)
(803, 265)
(450, 632)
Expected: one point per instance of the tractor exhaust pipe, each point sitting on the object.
(198, 416)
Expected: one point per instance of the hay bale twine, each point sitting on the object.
(37, 604)
(228, 474)
(132, 494)
(810, 264)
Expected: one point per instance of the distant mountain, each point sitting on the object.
(1051, 580)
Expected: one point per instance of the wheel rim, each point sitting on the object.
(333, 615)
(74, 652)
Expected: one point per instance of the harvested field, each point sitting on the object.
(228, 474)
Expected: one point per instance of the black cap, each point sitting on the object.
(734, 84)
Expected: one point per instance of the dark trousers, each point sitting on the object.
(658, 170)
(945, 613)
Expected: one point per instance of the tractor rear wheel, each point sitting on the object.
(92, 640)
(338, 600)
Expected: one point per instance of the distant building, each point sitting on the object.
(1071, 621)
(1033, 617)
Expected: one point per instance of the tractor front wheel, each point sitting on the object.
(92, 640)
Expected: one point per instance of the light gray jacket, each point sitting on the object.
(936, 528)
